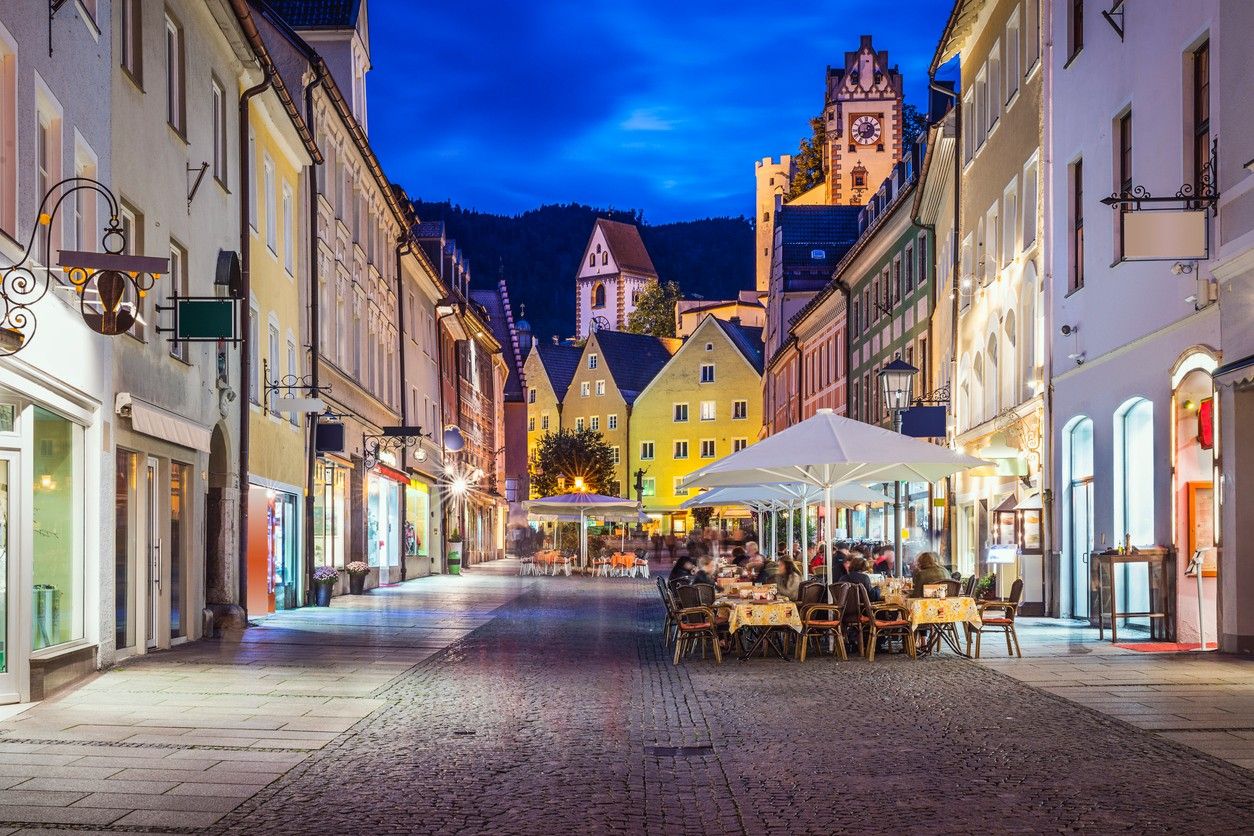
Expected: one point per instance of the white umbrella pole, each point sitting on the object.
(805, 541)
(583, 541)
(788, 547)
(827, 520)
(761, 523)
(770, 552)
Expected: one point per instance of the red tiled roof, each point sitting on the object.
(626, 246)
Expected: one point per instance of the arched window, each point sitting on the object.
(963, 409)
(1077, 510)
(977, 391)
(1011, 368)
(1031, 335)
(598, 295)
(605, 257)
(991, 406)
(592, 260)
(1134, 471)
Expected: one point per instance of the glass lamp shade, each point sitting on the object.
(453, 439)
(897, 384)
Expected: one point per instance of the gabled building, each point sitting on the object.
(614, 269)
(747, 308)
(703, 404)
(548, 370)
(614, 368)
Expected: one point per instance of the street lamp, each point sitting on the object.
(897, 385)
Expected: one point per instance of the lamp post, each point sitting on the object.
(897, 387)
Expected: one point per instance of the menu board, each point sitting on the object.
(1202, 524)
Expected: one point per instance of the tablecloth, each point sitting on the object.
(761, 614)
(954, 610)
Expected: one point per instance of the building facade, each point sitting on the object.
(614, 270)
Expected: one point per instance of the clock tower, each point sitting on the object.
(863, 112)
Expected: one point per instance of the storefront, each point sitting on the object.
(383, 521)
(275, 579)
(418, 528)
(330, 517)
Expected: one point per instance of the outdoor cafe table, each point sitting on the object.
(944, 613)
(618, 560)
(766, 618)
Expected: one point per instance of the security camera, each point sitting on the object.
(1180, 267)
(1077, 357)
(1068, 330)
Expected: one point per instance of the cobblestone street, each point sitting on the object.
(492, 703)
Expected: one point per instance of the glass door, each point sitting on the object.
(8, 546)
(1081, 545)
(153, 551)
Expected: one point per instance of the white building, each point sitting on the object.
(1133, 342)
(614, 270)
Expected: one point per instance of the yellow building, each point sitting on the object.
(548, 370)
(705, 403)
(277, 450)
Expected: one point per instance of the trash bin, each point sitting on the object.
(454, 556)
(45, 615)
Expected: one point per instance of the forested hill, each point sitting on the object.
(538, 252)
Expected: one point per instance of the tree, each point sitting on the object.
(701, 517)
(655, 310)
(913, 124)
(565, 455)
(809, 160)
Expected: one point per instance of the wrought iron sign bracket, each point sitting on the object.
(1115, 11)
(54, 6)
(289, 385)
(937, 397)
(390, 440)
(194, 186)
(1204, 195)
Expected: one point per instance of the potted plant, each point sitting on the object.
(984, 587)
(454, 553)
(357, 571)
(324, 578)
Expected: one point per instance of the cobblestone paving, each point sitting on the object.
(563, 714)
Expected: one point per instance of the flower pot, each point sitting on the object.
(357, 584)
(322, 594)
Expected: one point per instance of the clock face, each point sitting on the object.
(865, 130)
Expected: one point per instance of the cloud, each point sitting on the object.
(646, 120)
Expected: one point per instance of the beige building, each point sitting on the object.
(773, 180)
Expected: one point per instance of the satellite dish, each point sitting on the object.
(453, 440)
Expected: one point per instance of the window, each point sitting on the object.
(273, 367)
(598, 295)
(709, 346)
(922, 250)
(1031, 34)
(678, 486)
(531, 423)
(47, 172)
(177, 283)
(595, 423)
(605, 257)
(272, 227)
(681, 412)
(175, 75)
(648, 486)
(1076, 30)
(708, 410)
(740, 410)
(614, 454)
(592, 260)
(57, 549)
(254, 348)
(909, 271)
(579, 425)
(1077, 226)
(895, 288)
(544, 420)
(994, 86)
(132, 51)
(707, 372)
(1012, 55)
(968, 135)
(856, 315)
(1201, 117)
(585, 388)
(646, 450)
(1009, 226)
(218, 105)
(289, 238)
(600, 387)
(739, 444)
(681, 449)
(707, 448)
(1029, 205)
(84, 200)
(1134, 472)
(611, 422)
(592, 361)
(133, 231)
(1123, 173)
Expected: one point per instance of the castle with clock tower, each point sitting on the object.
(863, 110)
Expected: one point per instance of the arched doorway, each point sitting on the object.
(1077, 510)
(1195, 473)
(221, 511)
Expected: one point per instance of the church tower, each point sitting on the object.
(863, 109)
(614, 270)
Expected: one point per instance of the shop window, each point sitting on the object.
(124, 533)
(178, 547)
(330, 506)
(57, 557)
(1134, 472)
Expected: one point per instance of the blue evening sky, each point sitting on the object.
(660, 105)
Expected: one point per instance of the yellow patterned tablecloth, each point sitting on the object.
(943, 611)
(761, 614)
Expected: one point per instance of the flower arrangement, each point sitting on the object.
(455, 537)
(357, 568)
(325, 575)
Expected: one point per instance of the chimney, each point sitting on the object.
(735, 320)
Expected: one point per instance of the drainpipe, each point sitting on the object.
(245, 324)
(315, 342)
(404, 245)
(847, 292)
(955, 256)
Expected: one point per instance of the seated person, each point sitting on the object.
(927, 570)
(682, 568)
(857, 574)
(818, 556)
(788, 579)
(705, 571)
(884, 561)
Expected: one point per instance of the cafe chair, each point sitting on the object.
(1000, 615)
(856, 612)
(526, 565)
(953, 588)
(669, 623)
(819, 620)
(888, 621)
(640, 568)
(695, 625)
(968, 586)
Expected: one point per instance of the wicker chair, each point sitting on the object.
(889, 622)
(1004, 620)
(668, 600)
(856, 612)
(819, 619)
(696, 624)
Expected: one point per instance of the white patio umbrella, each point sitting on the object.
(827, 450)
(583, 504)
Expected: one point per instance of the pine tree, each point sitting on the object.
(809, 159)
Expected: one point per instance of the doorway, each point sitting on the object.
(9, 517)
(151, 552)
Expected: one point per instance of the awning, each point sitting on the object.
(1031, 502)
(1238, 372)
(156, 422)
